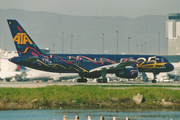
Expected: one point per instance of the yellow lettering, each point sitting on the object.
(152, 59)
(22, 38)
(26, 39)
(17, 39)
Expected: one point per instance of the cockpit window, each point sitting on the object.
(156, 59)
(162, 60)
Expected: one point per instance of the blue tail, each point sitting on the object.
(24, 44)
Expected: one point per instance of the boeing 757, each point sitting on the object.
(86, 65)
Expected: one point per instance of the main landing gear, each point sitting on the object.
(93, 75)
(82, 79)
(102, 80)
(154, 80)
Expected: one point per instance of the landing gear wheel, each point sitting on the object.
(82, 80)
(105, 81)
(154, 81)
(102, 80)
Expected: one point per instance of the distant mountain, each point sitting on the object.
(45, 29)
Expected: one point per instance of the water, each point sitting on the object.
(84, 113)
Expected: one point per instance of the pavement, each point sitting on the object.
(176, 85)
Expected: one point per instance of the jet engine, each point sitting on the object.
(127, 73)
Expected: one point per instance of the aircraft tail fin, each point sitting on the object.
(24, 44)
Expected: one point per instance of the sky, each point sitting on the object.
(127, 8)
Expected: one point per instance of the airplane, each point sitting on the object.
(175, 74)
(86, 65)
(17, 74)
(33, 74)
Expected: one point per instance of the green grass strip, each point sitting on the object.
(85, 93)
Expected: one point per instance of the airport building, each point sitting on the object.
(173, 33)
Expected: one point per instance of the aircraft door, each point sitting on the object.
(46, 59)
(77, 60)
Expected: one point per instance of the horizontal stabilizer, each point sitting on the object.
(32, 59)
(25, 59)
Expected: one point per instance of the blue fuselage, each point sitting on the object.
(78, 63)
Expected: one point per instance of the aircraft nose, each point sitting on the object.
(170, 67)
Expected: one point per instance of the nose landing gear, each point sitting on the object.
(154, 79)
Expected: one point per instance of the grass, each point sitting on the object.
(149, 86)
(81, 94)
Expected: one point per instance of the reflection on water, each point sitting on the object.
(84, 113)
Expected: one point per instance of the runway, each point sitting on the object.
(175, 85)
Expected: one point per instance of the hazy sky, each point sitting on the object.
(128, 8)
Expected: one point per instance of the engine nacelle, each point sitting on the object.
(127, 73)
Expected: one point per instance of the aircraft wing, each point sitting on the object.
(118, 66)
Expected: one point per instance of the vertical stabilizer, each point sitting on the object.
(24, 44)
